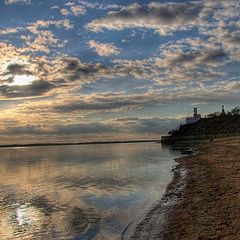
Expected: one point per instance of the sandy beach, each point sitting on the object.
(203, 199)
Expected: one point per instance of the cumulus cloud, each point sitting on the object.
(7, 31)
(192, 59)
(75, 10)
(161, 17)
(78, 10)
(97, 5)
(70, 69)
(64, 12)
(44, 39)
(103, 49)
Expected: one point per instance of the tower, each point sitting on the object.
(195, 112)
(223, 110)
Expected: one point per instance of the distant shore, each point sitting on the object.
(74, 143)
(203, 199)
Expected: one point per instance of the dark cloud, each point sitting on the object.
(72, 69)
(17, 69)
(231, 40)
(163, 17)
(213, 56)
(193, 58)
(71, 107)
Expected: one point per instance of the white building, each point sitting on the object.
(196, 117)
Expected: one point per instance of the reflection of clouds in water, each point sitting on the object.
(122, 202)
(78, 192)
(110, 183)
(42, 203)
(39, 217)
(81, 220)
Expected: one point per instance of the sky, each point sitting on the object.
(111, 69)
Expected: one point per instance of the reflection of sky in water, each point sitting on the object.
(79, 192)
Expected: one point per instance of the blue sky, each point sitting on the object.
(114, 69)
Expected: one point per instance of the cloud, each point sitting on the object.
(9, 2)
(74, 10)
(70, 69)
(122, 102)
(78, 10)
(164, 18)
(36, 88)
(64, 12)
(149, 125)
(43, 40)
(104, 102)
(192, 59)
(103, 49)
(17, 69)
(140, 126)
(39, 24)
(84, 128)
(97, 5)
(7, 31)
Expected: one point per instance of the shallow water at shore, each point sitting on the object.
(79, 192)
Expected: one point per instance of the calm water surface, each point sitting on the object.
(79, 192)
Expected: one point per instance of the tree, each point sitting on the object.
(214, 115)
(235, 111)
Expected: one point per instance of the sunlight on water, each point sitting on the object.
(27, 215)
(79, 192)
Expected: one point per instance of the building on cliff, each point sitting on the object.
(196, 117)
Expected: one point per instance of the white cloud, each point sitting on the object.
(78, 10)
(8, 2)
(103, 49)
(75, 10)
(7, 31)
(64, 12)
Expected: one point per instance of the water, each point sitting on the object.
(79, 192)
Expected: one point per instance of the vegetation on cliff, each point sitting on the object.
(214, 123)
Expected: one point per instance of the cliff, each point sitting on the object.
(212, 124)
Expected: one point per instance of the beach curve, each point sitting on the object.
(202, 200)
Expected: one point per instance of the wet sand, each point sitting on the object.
(203, 199)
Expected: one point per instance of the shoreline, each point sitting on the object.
(202, 200)
(75, 143)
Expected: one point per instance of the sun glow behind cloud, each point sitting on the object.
(21, 80)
